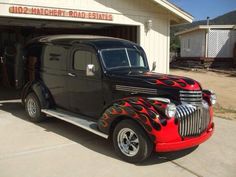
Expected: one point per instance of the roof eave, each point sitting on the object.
(185, 17)
(205, 27)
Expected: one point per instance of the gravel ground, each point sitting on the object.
(224, 85)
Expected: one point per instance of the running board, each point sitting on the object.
(77, 120)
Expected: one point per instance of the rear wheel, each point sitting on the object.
(33, 108)
(131, 142)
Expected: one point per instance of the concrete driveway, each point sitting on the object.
(56, 148)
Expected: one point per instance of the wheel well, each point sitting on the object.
(27, 92)
(115, 122)
(121, 118)
(37, 89)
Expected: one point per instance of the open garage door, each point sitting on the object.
(32, 28)
(15, 32)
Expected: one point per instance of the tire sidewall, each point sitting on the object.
(145, 145)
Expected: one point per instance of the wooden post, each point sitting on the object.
(234, 57)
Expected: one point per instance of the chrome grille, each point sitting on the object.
(191, 97)
(193, 120)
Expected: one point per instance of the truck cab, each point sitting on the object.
(105, 86)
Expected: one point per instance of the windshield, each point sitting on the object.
(123, 58)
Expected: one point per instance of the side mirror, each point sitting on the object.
(154, 65)
(90, 70)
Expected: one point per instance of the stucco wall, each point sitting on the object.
(129, 12)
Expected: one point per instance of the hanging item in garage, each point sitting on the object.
(12, 66)
(4, 80)
(9, 62)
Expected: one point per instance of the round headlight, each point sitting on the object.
(170, 110)
(213, 98)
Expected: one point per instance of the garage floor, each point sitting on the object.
(56, 148)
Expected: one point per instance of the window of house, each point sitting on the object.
(188, 43)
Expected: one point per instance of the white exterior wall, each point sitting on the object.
(193, 44)
(126, 12)
(221, 43)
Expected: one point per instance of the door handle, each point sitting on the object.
(71, 75)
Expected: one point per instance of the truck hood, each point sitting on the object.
(155, 80)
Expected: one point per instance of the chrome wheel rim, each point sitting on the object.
(128, 142)
(31, 107)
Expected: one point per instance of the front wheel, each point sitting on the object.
(33, 108)
(131, 142)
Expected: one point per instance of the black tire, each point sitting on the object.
(145, 146)
(34, 115)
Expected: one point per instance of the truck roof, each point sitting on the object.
(100, 42)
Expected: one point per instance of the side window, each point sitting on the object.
(55, 57)
(82, 58)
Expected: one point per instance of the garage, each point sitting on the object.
(144, 22)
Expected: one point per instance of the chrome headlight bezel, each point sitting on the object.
(213, 98)
(170, 110)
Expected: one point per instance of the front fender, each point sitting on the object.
(150, 114)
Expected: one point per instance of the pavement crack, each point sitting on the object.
(183, 167)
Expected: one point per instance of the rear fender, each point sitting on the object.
(41, 92)
(26, 89)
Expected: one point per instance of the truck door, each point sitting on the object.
(85, 92)
(53, 72)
